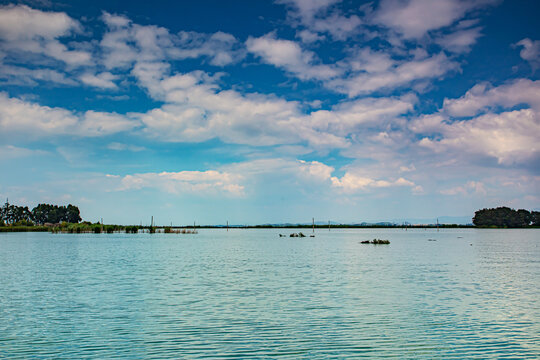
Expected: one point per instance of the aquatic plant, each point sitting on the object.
(376, 242)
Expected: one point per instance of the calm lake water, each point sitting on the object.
(249, 293)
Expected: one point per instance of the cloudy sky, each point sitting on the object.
(270, 111)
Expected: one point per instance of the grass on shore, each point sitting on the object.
(17, 228)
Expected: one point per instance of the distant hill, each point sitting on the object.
(459, 220)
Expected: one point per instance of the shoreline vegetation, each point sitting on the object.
(66, 219)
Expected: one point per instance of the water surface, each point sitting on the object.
(249, 293)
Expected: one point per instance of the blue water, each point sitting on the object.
(249, 293)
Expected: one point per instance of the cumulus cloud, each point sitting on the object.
(18, 75)
(308, 37)
(209, 181)
(289, 56)
(220, 48)
(351, 183)
(486, 97)
(313, 14)
(23, 29)
(307, 170)
(34, 120)
(510, 137)
(530, 52)
(470, 188)
(126, 43)
(415, 18)
(196, 110)
(390, 75)
(346, 118)
(495, 130)
(104, 80)
(307, 9)
(460, 41)
(233, 179)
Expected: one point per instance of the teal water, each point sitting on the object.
(249, 293)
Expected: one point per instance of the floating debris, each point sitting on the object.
(297, 235)
(376, 242)
(431, 239)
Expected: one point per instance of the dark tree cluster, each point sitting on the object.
(41, 214)
(13, 214)
(506, 217)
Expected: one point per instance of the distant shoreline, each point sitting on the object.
(174, 229)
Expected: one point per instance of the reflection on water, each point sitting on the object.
(244, 293)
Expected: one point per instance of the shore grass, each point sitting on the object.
(23, 228)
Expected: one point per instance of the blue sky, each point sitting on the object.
(270, 111)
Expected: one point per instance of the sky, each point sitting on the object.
(270, 111)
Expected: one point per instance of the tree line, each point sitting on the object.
(506, 217)
(43, 213)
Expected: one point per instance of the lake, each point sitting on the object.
(250, 293)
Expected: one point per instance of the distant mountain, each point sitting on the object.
(460, 220)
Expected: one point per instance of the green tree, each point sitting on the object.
(535, 218)
(503, 217)
(73, 215)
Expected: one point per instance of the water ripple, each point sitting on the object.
(251, 294)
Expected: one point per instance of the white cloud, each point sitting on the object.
(104, 80)
(307, 9)
(393, 77)
(415, 18)
(307, 170)
(289, 56)
(34, 120)
(28, 118)
(346, 118)
(313, 14)
(460, 41)
(495, 130)
(23, 76)
(206, 182)
(530, 52)
(220, 48)
(21, 22)
(309, 37)
(233, 179)
(96, 123)
(351, 182)
(126, 43)
(196, 110)
(23, 29)
(470, 188)
(339, 26)
(485, 97)
(510, 137)
(116, 43)
(367, 60)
